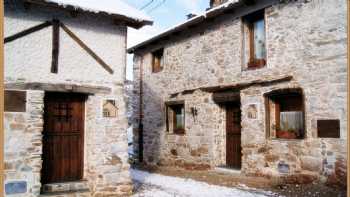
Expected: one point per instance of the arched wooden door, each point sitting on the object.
(63, 139)
(233, 135)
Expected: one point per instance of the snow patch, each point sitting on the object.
(109, 6)
(174, 186)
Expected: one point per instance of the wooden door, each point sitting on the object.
(63, 137)
(233, 135)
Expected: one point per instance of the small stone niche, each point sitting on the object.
(328, 128)
(252, 112)
(15, 101)
(110, 109)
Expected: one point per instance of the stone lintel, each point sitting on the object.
(57, 87)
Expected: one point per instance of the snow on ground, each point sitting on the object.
(156, 185)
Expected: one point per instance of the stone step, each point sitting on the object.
(65, 187)
(226, 170)
(67, 194)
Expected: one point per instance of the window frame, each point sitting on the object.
(270, 97)
(170, 107)
(106, 114)
(157, 57)
(249, 20)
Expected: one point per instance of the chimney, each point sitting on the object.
(191, 15)
(214, 3)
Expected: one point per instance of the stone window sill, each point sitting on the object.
(250, 68)
(286, 140)
(179, 134)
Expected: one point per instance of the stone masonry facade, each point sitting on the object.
(305, 40)
(23, 155)
(106, 168)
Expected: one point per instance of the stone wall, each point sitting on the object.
(23, 147)
(306, 40)
(28, 60)
(106, 147)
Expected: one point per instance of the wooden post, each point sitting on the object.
(348, 103)
(86, 48)
(2, 98)
(27, 32)
(141, 114)
(55, 45)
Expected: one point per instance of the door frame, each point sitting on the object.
(238, 104)
(83, 97)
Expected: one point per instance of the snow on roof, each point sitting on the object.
(113, 7)
(191, 21)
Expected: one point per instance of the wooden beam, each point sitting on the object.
(239, 86)
(87, 89)
(236, 86)
(228, 96)
(167, 103)
(86, 48)
(2, 171)
(27, 31)
(55, 45)
(249, 2)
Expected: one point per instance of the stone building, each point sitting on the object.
(256, 86)
(63, 60)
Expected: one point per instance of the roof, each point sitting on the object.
(211, 13)
(114, 8)
(194, 20)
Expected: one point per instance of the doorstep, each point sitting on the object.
(225, 170)
(71, 189)
(68, 194)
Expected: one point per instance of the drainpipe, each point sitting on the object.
(141, 114)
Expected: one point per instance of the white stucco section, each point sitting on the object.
(75, 65)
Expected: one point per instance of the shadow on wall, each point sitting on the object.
(153, 125)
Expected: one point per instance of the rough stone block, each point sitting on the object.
(16, 187)
(17, 126)
(283, 167)
(311, 163)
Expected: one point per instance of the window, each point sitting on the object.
(63, 111)
(157, 60)
(285, 114)
(175, 117)
(255, 39)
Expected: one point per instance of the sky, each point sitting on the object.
(168, 14)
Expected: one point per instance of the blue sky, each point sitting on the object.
(170, 13)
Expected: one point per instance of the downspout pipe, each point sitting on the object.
(140, 139)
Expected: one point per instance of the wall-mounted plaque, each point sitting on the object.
(328, 128)
(15, 101)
